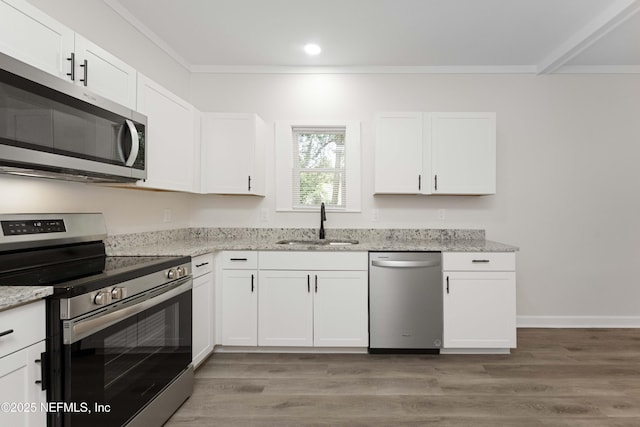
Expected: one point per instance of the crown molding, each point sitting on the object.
(147, 32)
(611, 18)
(598, 69)
(250, 69)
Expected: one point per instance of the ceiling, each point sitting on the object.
(439, 36)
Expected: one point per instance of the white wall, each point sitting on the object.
(125, 210)
(568, 177)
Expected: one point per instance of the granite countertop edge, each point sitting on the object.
(13, 296)
(195, 247)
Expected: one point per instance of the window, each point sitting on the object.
(319, 172)
(318, 162)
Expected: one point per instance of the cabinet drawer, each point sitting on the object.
(479, 261)
(240, 260)
(290, 260)
(28, 325)
(202, 264)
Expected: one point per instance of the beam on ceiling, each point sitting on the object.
(616, 14)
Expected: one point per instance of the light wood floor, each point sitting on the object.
(556, 377)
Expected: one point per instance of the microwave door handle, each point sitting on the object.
(135, 143)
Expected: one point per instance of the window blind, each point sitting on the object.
(319, 167)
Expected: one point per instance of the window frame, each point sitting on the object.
(284, 164)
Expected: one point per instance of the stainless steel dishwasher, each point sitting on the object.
(405, 302)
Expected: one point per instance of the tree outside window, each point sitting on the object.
(319, 173)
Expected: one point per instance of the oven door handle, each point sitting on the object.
(75, 330)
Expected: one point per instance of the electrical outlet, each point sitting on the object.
(375, 215)
(167, 215)
(442, 214)
(264, 215)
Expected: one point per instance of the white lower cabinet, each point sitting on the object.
(285, 308)
(203, 301)
(20, 366)
(479, 291)
(239, 298)
(340, 309)
(301, 307)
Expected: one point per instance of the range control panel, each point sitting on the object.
(23, 227)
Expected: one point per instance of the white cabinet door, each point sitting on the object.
(239, 307)
(399, 151)
(463, 153)
(170, 139)
(31, 36)
(18, 375)
(435, 153)
(203, 317)
(479, 310)
(104, 74)
(340, 309)
(233, 156)
(285, 308)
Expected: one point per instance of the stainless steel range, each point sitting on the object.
(118, 328)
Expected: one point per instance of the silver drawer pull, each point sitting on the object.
(202, 265)
(237, 259)
(480, 260)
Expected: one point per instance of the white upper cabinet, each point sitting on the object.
(398, 153)
(233, 153)
(31, 36)
(463, 153)
(171, 138)
(435, 153)
(103, 73)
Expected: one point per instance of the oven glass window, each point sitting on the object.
(125, 365)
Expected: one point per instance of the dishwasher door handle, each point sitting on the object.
(405, 264)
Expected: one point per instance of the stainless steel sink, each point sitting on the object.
(318, 242)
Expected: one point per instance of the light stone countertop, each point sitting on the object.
(200, 246)
(199, 241)
(11, 296)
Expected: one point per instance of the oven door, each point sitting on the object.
(117, 361)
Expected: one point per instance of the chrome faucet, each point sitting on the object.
(323, 218)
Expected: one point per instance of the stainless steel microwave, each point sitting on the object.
(55, 129)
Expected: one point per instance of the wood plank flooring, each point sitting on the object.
(556, 377)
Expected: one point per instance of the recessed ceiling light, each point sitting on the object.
(312, 49)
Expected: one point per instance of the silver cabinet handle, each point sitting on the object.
(72, 74)
(405, 264)
(480, 261)
(85, 65)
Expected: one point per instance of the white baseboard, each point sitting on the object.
(578, 321)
